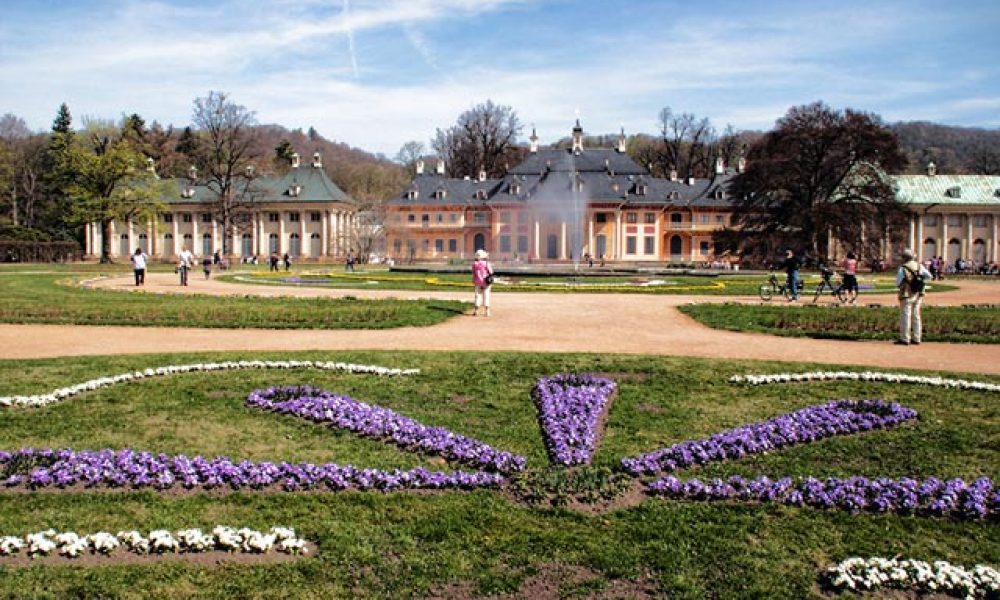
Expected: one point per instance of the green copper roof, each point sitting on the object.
(314, 186)
(949, 189)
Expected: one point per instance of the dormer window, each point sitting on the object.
(412, 194)
(719, 194)
(442, 192)
(954, 192)
(640, 190)
(480, 194)
(675, 195)
(294, 190)
(515, 189)
(187, 192)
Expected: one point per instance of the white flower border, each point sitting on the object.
(859, 574)
(72, 545)
(864, 376)
(94, 384)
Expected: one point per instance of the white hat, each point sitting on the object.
(481, 253)
(907, 253)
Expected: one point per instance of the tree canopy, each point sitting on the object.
(484, 138)
(819, 172)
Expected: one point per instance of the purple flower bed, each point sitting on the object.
(837, 417)
(380, 423)
(954, 497)
(43, 468)
(568, 407)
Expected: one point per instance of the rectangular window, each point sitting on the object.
(504, 216)
(168, 218)
(703, 248)
(481, 217)
(425, 219)
(293, 217)
(650, 245)
(186, 217)
(720, 219)
(980, 221)
(439, 245)
(440, 218)
(630, 244)
(522, 244)
(601, 218)
(206, 217)
(452, 245)
(930, 221)
(454, 217)
(397, 246)
(704, 219)
(315, 217)
(504, 243)
(273, 217)
(631, 218)
(650, 218)
(954, 220)
(411, 218)
(522, 217)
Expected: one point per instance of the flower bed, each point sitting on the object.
(72, 545)
(837, 417)
(381, 423)
(47, 468)
(864, 376)
(939, 577)
(568, 409)
(930, 497)
(94, 384)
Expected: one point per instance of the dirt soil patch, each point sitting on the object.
(216, 558)
(555, 581)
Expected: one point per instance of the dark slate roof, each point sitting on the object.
(588, 160)
(606, 175)
(315, 187)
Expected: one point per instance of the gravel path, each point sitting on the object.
(607, 323)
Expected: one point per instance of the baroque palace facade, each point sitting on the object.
(302, 213)
(558, 205)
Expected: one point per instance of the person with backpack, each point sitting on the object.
(482, 279)
(911, 282)
(791, 266)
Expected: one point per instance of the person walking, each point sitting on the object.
(273, 261)
(139, 266)
(850, 266)
(482, 279)
(791, 266)
(349, 262)
(186, 261)
(288, 261)
(910, 281)
(206, 265)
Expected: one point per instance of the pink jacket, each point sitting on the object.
(480, 269)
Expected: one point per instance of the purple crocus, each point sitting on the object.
(568, 409)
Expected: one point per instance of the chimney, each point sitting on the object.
(192, 172)
(621, 141)
(673, 174)
(534, 140)
(150, 165)
(420, 166)
(295, 160)
(720, 166)
(690, 180)
(440, 167)
(931, 169)
(577, 138)
(249, 171)
(741, 165)
(482, 175)
(317, 160)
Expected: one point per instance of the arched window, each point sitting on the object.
(272, 243)
(954, 249)
(552, 246)
(294, 245)
(247, 245)
(124, 248)
(930, 248)
(316, 245)
(168, 244)
(479, 242)
(979, 252)
(676, 246)
(206, 244)
(143, 242)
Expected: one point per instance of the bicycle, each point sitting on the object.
(839, 291)
(774, 287)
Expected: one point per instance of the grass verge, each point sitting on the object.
(941, 323)
(376, 545)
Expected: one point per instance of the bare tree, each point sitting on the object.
(689, 144)
(484, 138)
(225, 146)
(408, 155)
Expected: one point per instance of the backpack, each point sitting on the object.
(915, 281)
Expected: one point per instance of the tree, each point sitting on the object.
(110, 181)
(484, 138)
(408, 155)
(688, 144)
(986, 161)
(819, 172)
(227, 145)
(283, 156)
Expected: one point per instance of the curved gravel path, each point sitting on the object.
(537, 322)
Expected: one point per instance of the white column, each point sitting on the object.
(215, 235)
(177, 234)
(195, 249)
(256, 227)
(538, 247)
(617, 246)
(995, 239)
(112, 251)
(282, 246)
(943, 253)
(590, 234)
(913, 236)
(304, 244)
(563, 242)
(131, 237)
(88, 242)
(325, 235)
(920, 237)
(656, 238)
(967, 242)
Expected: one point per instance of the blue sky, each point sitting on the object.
(378, 73)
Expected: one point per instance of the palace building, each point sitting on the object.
(558, 205)
(302, 213)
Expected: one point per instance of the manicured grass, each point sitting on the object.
(941, 323)
(44, 297)
(586, 281)
(399, 545)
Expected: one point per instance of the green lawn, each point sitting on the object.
(410, 544)
(941, 323)
(47, 295)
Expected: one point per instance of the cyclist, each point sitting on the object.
(791, 266)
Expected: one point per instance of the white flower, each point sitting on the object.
(39, 543)
(11, 545)
(865, 376)
(103, 542)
